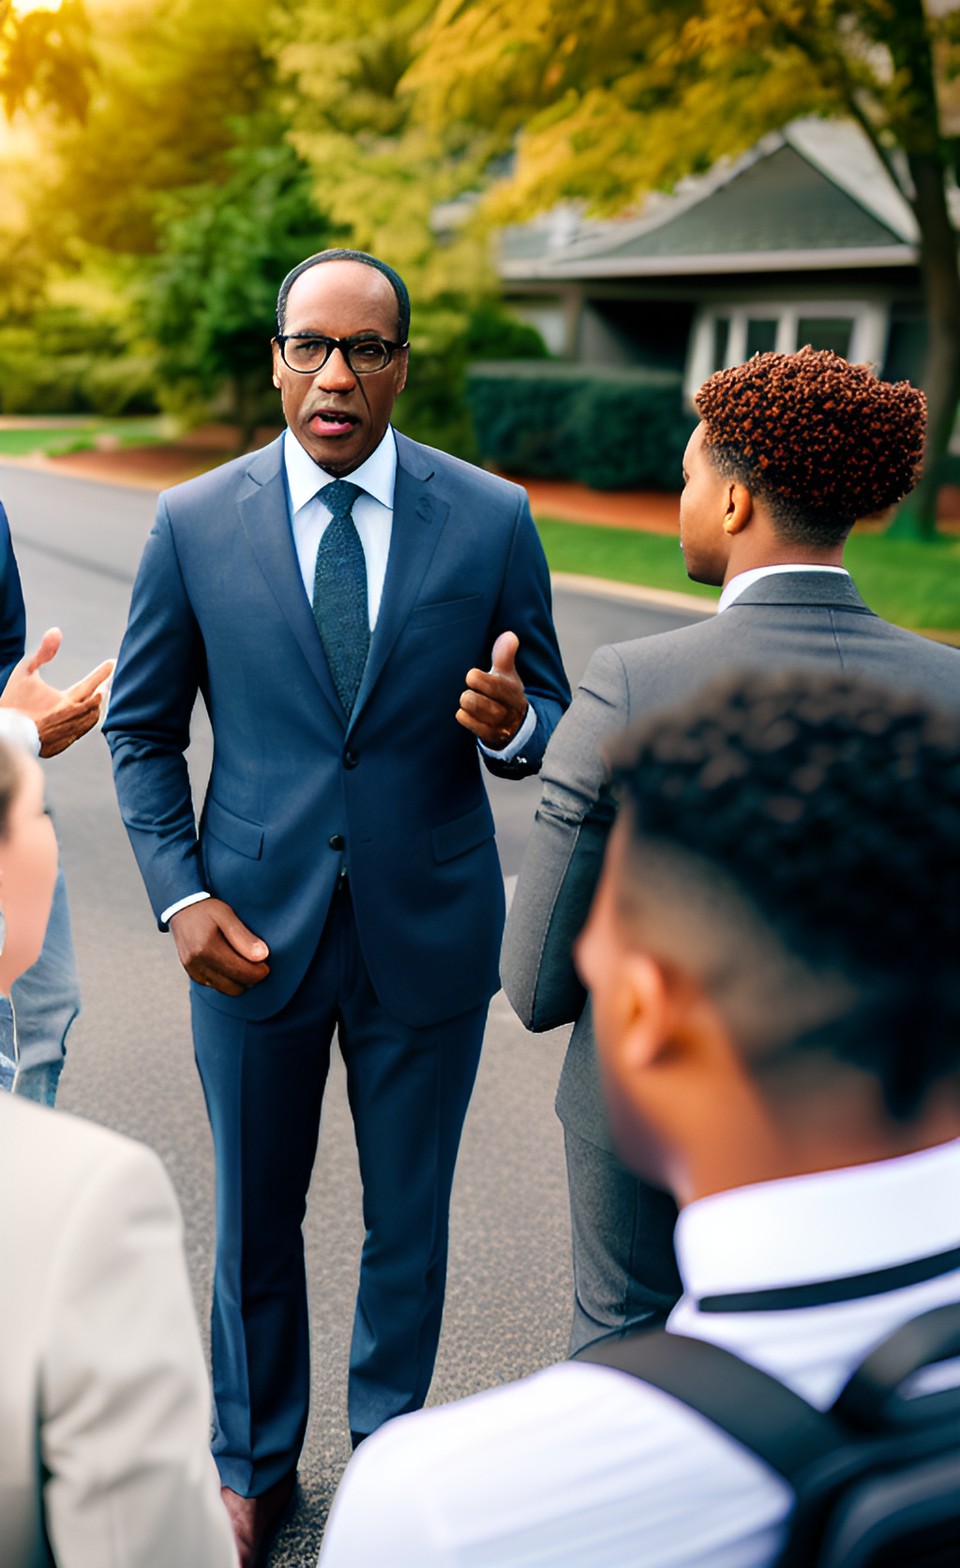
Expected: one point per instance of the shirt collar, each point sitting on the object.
(377, 474)
(826, 1225)
(744, 580)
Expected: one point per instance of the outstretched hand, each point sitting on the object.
(494, 706)
(61, 717)
(217, 949)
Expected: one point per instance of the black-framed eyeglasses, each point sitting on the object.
(308, 352)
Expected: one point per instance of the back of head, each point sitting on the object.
(819, 441)
(794, 841)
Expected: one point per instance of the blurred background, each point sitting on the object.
(594, 208)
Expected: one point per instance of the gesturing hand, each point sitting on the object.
(216, 949)
(493, 707)
(61, 717)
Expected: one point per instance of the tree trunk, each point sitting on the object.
(941, 377)
(916, 111)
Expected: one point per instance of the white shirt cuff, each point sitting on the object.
(182, 903)
(514, 747)
(19, 729)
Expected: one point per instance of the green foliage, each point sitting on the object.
(46, 60)
(62, 361)
(613, 430)
(210, 301)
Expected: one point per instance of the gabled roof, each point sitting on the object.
(813, 196)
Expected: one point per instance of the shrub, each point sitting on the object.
(612, 429)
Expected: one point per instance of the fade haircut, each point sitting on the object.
(827, 809)
(393, 278)
(819, 441)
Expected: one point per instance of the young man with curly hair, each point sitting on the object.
(772, 959)
(791, 450)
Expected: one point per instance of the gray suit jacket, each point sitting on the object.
(788, 621)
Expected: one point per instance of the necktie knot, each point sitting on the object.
(339, 497)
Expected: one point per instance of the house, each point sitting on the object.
(802, 240)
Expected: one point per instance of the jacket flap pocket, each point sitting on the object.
(245, 837)
(443, 611)
(455, 838)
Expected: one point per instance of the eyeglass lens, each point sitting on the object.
(311, 353)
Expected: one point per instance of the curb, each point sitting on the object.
(576, 583)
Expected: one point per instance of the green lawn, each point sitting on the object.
(915, 584)
(55, 440)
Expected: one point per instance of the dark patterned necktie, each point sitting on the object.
(340, 594)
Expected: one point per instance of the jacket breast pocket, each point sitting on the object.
(444, 612)
(462, 834)
(236, 832)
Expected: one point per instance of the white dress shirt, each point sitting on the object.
(744, 580)
(373, 519)
(581, 1466)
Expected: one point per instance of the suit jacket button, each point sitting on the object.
(350, 759)
(337, 841)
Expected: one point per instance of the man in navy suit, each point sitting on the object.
(345, 873)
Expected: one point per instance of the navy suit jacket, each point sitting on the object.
(219, 608)
(13, 619)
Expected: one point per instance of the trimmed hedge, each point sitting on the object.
(611, 429)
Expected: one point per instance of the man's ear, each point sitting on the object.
(648, 1012)
(739, 508)
(276, 371)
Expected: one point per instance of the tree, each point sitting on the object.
(210, 295)
(382, 174)
(45, 59)
(605, 105)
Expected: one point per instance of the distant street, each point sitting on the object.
(131, 1067)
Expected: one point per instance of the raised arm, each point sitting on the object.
(562, 860)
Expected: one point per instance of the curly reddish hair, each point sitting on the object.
(819, 441)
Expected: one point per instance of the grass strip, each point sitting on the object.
(915, 583)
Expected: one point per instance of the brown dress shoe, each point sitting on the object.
(256, 1520)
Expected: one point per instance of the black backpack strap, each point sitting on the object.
(871, 1397)
(756, 1410)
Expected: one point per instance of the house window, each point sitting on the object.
(761, 336)
(826, 332)
(725, 335)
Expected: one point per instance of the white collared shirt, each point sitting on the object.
(744, 580)
(581, 1466)
(372, 510)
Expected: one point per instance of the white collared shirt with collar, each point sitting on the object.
(372, 510)
(581, 1466)
(744, 580)
(373, 518)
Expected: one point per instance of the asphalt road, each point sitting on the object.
(130, 1062)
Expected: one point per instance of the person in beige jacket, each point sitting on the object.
(104, 1398)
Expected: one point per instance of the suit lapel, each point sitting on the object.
(418, 521)
(265, 518)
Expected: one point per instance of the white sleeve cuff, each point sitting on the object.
(514, 747)
(182, 903)
(19, 729)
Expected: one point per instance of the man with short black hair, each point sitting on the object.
(790, 451)
(771, 956)
(333, 598)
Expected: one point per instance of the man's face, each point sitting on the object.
(703, 507)
(337, 416)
